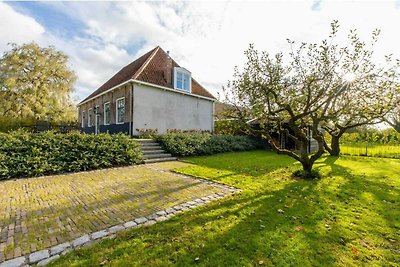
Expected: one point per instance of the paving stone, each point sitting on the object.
(14, 237)
(68, 250)
(99, 234)
(39, 255)
(170, 210)
(59, 248)
(116, 228)
(81, 240)
(110, 236)
(89, 244)
(152, 216)
(161, 218)
(141, 220)
(161, 213)
(14, 262)
(48, 260)
(130, 224)
(150, 222)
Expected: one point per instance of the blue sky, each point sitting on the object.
(208, 38)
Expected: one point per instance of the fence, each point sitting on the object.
(371, 150)
(47, 126)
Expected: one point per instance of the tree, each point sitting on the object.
(36, 84)
(295, 98)
(393, 118)
(371, 91)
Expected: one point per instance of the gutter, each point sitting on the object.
(148, 84)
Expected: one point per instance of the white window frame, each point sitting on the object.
(83, 119)
(89, 123)
(183, 72)
(109, 110)
(116, 110)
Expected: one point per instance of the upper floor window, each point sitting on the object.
(120, 110)
(107, 113)
(182, 79)
(83, 119)
(89, 117)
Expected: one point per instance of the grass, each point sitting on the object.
(351, 217)
(371, 150)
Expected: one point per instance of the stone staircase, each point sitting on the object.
(153, 152)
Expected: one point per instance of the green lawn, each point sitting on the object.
(371, 150)
(351, 217)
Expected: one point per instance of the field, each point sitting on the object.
(350, 217)
(371, 150)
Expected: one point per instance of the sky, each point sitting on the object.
(206, 37)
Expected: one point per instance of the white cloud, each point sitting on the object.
(17, 28)
(208, 38)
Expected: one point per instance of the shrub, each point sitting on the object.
(181, 144)
(24, 154)
(147, 133)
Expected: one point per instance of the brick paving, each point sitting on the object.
(39, 213)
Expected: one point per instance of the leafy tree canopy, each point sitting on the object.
(36, 84)
(317, 85)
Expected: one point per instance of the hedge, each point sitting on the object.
(24, 154)
(182, 144)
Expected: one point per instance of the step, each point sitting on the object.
(159, 160)
(157, 151)
(149, 144)
(156, 156)
(145, 140)
(147, 148)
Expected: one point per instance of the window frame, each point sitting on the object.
(183, 72)
(89, 117)
(83, 119)
(109, 111)
(116, 111)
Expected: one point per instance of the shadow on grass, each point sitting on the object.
(285, 222)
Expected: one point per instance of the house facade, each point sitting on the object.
(151, 93)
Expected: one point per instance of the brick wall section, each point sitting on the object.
(111, 97)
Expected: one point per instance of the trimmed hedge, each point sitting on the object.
(181, 144)
(24, 154)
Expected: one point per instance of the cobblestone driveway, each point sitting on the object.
(37, 213)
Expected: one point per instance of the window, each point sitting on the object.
(183, 79)
(107, 113)
(83, 119)
(120, 110)
(89, 117)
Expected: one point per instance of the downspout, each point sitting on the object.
(213, 118)
(131, 127)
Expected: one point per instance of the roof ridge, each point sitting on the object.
(144, 65)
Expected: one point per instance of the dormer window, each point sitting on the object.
(182, 79)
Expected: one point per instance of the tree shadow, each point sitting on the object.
(286, 222)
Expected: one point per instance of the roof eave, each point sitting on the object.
(148, 84)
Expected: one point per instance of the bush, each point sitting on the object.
(24, 154)
(181, 144)
(314, 174)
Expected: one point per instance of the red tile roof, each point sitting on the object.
(155, 67)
